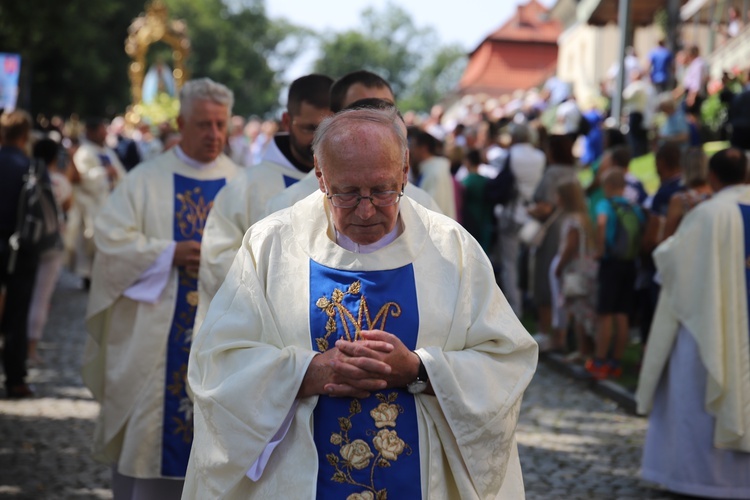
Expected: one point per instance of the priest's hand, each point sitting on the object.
(187, 254)
(404, 363)
(353, 374)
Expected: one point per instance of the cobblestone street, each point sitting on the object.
(573, 443)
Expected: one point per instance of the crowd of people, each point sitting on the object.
(231, 257)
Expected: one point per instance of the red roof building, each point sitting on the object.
(521, 54)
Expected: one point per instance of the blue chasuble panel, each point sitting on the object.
(367, 448)
(193, 200)
(288, 181)
(745, 210)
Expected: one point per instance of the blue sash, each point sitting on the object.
(745, 210)
(365, 446)
(288, 181)
(193, 200)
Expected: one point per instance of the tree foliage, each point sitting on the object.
(73, 57)
(419, 69)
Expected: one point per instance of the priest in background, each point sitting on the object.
(144, 298)
(695, 377)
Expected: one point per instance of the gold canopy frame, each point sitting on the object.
(147, 29)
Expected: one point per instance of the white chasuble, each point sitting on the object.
(136, 356)
(240, 204)
(291, 292)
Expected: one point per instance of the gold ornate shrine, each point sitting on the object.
(149, 28)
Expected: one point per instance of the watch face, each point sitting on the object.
(417, 387)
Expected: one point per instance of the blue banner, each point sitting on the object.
(10, 70)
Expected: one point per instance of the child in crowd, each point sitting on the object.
(620, 226)
(573, 273)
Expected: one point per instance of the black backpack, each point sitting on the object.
(38, 222)
(502, 190)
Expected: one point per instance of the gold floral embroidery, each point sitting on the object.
(192, 215)
(333, 307)
(358, 454)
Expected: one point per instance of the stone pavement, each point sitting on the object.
(573, 443)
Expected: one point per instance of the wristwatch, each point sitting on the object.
(419, 385)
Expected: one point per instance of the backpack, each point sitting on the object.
(628, 231)
(502, 190)
(37, 223)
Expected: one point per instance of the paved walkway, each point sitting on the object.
(573, 443)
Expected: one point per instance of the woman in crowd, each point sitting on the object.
(50, 262)
(573, 273)
(560, 169)
(695, 179)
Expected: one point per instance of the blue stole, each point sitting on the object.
(192, 202)
(745, 211)
(288, 181)
(365, 446)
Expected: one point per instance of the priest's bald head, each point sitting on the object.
(362, 162)
(205, 108)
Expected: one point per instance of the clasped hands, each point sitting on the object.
(354, 369)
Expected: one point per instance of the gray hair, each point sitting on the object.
(695, 167)
(341, 123)
(520, 133)
(204, 89)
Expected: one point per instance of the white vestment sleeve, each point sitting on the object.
(256, 470)
(152, 282)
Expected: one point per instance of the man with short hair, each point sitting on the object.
(287, 159)
(144, 296)
(433, 172)
(99, 170)
(359, 346)
(695, 377)
(15, 130)
(359, 85)
(661, 66)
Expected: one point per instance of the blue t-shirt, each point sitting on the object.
(594, 143)
(661, 61)
(660, 203)
(605, 207)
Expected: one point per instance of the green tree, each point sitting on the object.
(419, 69)
(72, 53)
(73, 57)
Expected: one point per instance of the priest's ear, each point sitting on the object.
(286, 121)
(319, 174)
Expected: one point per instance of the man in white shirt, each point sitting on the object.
(527, 164)
(287, 159)
(433, 171)
(99, 171)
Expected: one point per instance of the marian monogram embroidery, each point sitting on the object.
(192, 215)
(334, 307)
(359, 454)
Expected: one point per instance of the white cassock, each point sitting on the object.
(237, 207)
(435, 178)
(140, 314)
(695, 376)
(291, 292)
(309, 184)
(89, 196)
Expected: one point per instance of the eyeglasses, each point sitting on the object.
(378, 199)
